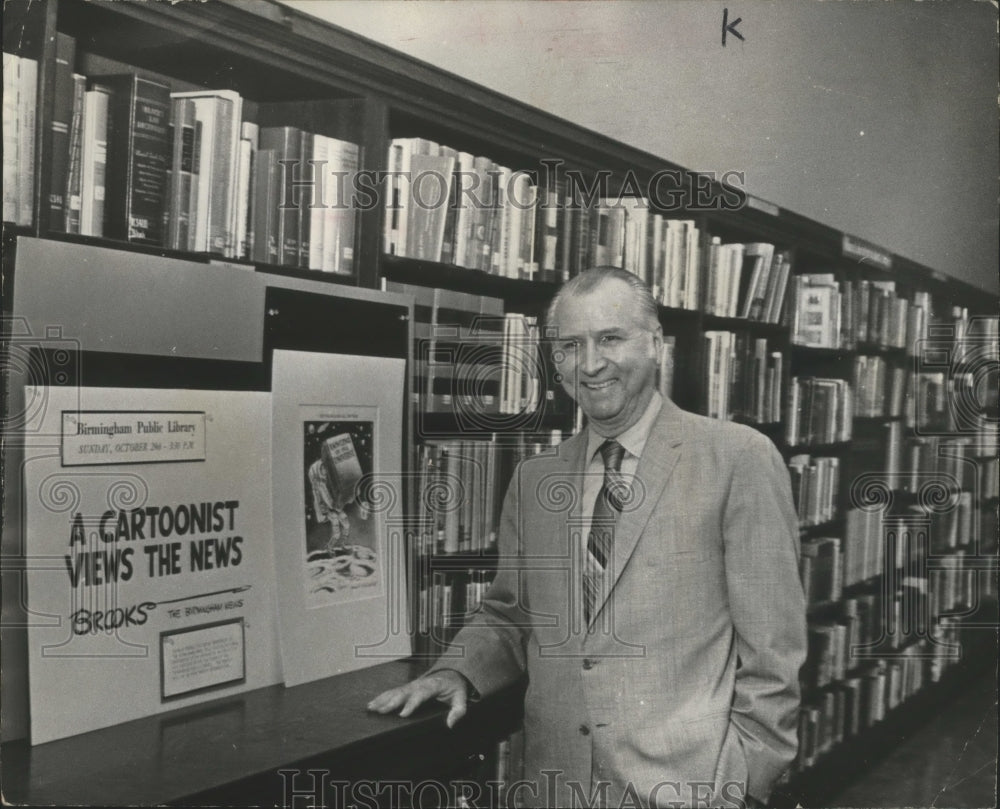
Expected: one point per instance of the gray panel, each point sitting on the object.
(124, 302)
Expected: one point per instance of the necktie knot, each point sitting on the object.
(612, 454)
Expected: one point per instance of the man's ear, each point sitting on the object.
(658, 343)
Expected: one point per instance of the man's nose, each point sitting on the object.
(592, 360)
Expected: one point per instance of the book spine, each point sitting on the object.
(222, 180)
(265, 207)
(138, 158)
(10, 136)
(192, 181)
(242, 197)
(307, 198)
(334, 188)
(286, 142)
(74, 172)
(62, 117)
(249, 137)
(201, 185)
(464, 177)
(347, 216)
(27, 106)
(94, 161)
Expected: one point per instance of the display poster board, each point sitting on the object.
(150, 555)
(338, 508)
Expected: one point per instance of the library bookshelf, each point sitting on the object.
(876, 377)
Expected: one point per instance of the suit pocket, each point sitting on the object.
(675, 543)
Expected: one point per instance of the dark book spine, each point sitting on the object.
(265, 208)
(286, 142)
(451, 218)
(138, 160)
(185, 167)
(306, 197)
(74, 173)
(62, 119)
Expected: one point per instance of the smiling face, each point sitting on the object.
(607, 355)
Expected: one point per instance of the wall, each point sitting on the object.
(879, 118)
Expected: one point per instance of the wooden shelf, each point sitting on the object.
(229, 750)
(756, 327)
(514, 292)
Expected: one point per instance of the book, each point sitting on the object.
(398, 161)
(93, 160)
(428, 205)
(10, 137)
(302, 192)
(139, 113)
(455, 243)
(286, 144)
(758, 258)
(61, 115)
(74, 170)
(249, 144)
(27, 110)
(341, 217)
(185, 159)
(266, 188)
(816, 316)
(213, 212)
(478, 238)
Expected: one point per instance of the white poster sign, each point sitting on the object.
(338, 510)
(151, 572)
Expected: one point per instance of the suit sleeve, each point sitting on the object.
(490, 649)
(768, 611)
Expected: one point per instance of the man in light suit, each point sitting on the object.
(649, 587)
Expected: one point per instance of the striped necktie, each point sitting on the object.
(602, 525)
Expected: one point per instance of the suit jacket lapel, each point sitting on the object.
(554, 506)
(660, 455)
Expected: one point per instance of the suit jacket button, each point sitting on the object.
(584, 730)
(588, 664)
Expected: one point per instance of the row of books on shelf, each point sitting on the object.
(471, 357)
(741, 377)
(879, 387)
(974, 338)
(832, 313)
(134, 160)
(936, 399)
(460, 484)
(872, 624)
(815, 483)
(948, 463)
(20, 107)
(746, 280)
(918, 535)
(473, 360)
(862, 701)
(820, 411)
(955, 402)
(450, 206)
(445, 601)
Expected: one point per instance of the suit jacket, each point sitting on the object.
(684, 687)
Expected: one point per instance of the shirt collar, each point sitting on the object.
(634, 438)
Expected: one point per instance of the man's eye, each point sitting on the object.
(569, 345)
(610, 339)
